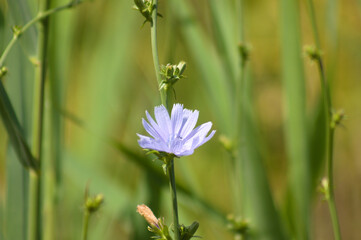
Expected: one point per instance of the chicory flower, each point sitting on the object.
(174, 134)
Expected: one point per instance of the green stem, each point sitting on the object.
(330, 128)
(172, 186)
(34, 217)
(331, 197)
(165, 96)
(34, 207)
(153, 29)
(48, 170)
(41, 16)
(240, 87)
(85, 224)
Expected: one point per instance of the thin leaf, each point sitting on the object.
(14, 131)
(207, 62)
(265, 222)
(295, 120)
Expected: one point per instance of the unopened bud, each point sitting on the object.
(92, 204)
(3, 71)
(148, 215)
(312, 52)
(337, 118)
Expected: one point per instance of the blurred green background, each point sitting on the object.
(101, 67)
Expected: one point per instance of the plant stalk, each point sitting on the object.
(330, 127)
(172, 186)
(41, 16)
(165, 96)
(153, 30)
(239, 110)
(85, 224)
(34, 216)
(331, 198)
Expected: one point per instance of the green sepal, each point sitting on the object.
(146, 8)
(187, 232)
(161, 232)
(238, 225)
(171, 74)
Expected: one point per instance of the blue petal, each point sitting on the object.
(176, 146)
(185, 153)
(201, 131)
(149, 143)
(207, 138)
(163, 119)
(177, 118)
(156, 127)
(189, 123)
(151, 130)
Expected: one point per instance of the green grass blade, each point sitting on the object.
(317, 142)
(226, 39)
(295, 120)
(15, 210)
(15, 132)
(259, 207)
(207, 62)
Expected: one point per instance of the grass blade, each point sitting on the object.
(295, 117)
(259, 206)
(15, 132)
(207, 62)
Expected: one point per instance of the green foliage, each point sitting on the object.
(101, 79)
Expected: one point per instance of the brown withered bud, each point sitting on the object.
(148, 215)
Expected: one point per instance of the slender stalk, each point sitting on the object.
(165, 95)
(41, 16)
(34, 207)
(172, 186)
(331, 198)
(239, 110)
(85, 224)
(330, 127)
(48, 170)
(34, 217)
(153, 30)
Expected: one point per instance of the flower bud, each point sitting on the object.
(337, 118)
(148, 215)
(3, 71)
(171, 74)
(92, 204)
(312, 52)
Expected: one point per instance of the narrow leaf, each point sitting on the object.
(14, 131)
(295, 120)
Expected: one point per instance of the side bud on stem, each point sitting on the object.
(313, 53)
(3, 71)
(171, 74)
(337, 118)
(146, 7)
(239, 226)
(91, 205)
(156, 226)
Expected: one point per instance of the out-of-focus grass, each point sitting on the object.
(100, 62)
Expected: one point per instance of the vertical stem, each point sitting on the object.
(34, 216)
(85, 224)
(331, 198)
(48, 170)
(240, 87)
(153, 30)
(165, 95)
(172, 187)
(330, 128)
(34, 207)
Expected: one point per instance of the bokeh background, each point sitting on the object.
(103, 80)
